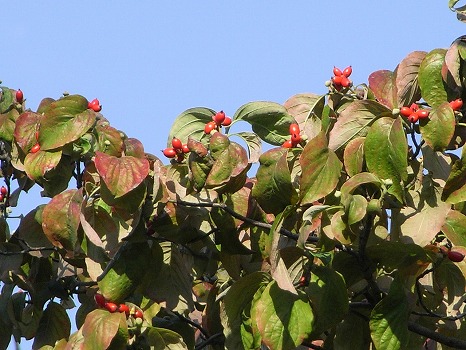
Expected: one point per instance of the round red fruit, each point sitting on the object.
(422, 113)
(111, 307)
(185, 148)
(219, 117)
(414, 107)
(406, 111)
(3, 190)
(169, 152)
(455, 256)
(337, 72)
(294, 129)
(35, 148)
(227, 121)
(295, 139)
(95, 105)
(209, 127)
(456, 104)
(138, 314)
(177, 144)
(345, 82)
(287, 144)
(19, 96)
(337, 79)
(123, 308)
(347, 71)
(413, 118)
(99, 299)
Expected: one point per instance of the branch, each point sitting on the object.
(212, 339)
(438, 337)
(28, 249)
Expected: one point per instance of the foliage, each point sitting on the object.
(343, 238)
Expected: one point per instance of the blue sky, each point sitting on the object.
(148, 61)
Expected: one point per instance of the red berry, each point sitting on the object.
(35, 148)
(337, 79)
(169, 152)
(345, 82)
(455, 256)
(3, 190)
(19, 96)
(99, 299)
(227, 121)
(138, 314)
(209, 127)
(185, 149)
(337, 72)
(347, 71)
(295, 139)
(177, 144)
(456, 104)
(422, 113)
(303, 281)
(112, 307)
(413, 118)
(287, 144)
(294, 129)
(219, 117)
(406, 111)
(36, 134)
(123, 308)
(94, 105)
(414, 107)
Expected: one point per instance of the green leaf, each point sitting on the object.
(190, 124)
(352, 333)
(237, 300)
(60, 219)
(101, 328)
(121, 175)
(406, 77)
(253, 142)
(358, 180)
(57, 131)
(329, 298)
(449, 277)
(26, 126)
(283, 319)
(8, 124)
(109, 139)
(455, 228)
(439, 128)
(53, 326)
(307, 109)
(269, 120)
(164, 339)
(389, 320)
(355, 121)
(353, 156)
(356, 209)
(382, 84)
(430, 78)
(386, 151)
(66, 105)
(455, 188)
(273, 189)
(6, 100)
(30, 229)
(37, 165)
(320, 168)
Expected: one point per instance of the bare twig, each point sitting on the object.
(212, 339)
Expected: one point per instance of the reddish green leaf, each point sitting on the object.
(354, 121)
(58, 130)
(134, 148)
(307, 110)
(386, 151)
(439, 128)
(430, 78)
(452, 70)
(60, 219)
(454, 190)
(162, 339)
(282, 325)
(26, 126)
(382, 84)
(406, 77)
(273, 189)
(7, 124)
(269, 120)
(455, 228)
(30, 229)
(38, 164)
(109, 139)
(6, 99)
(356, 209)
(121, 175)
(101, 328)
(357, 180)
(389, 320)
(353, 156)
(53, 326)
(66, 105)
(253, 142)
(190, 124)
(320, 170)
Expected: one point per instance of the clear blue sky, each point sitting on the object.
(148, 61)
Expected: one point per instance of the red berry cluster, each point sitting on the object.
(219, 119)
(414, 113)
(340, 78)
(456, 104)
(178, 150)
(19, 96)
(3, 193)
(112, 307)
(295, 138)
(94, 105)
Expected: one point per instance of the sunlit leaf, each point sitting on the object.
(406, 77)
(38, 164)
(164, 339)
(353, 156)
(253, 142)
(190, 124)
(101, 328)
(455, 227)
(430, 78)
(439, 128)
(382, 84)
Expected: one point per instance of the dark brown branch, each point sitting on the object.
(212, 339)
(438, 337)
